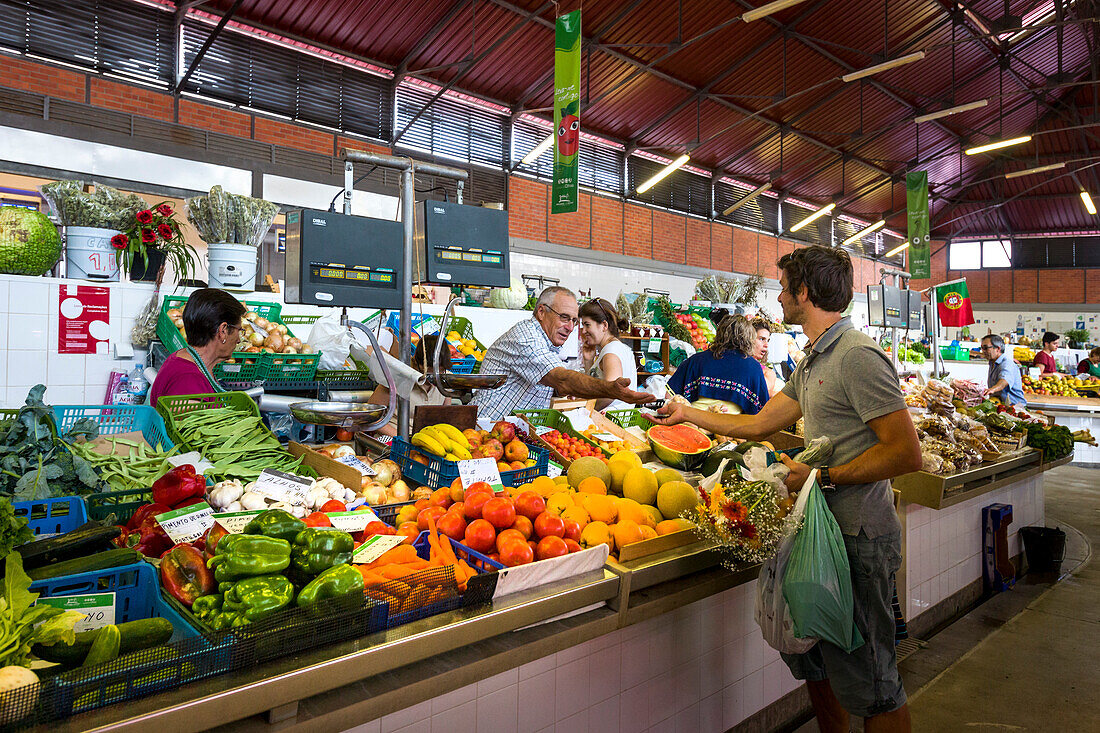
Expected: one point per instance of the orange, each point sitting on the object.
(545, 485)
(559, 502)
(592, 485)
(632, 511)
(648, 532)
(596, 533)
(601, 508)
(577, 514)
(626, 533)
(673, 525)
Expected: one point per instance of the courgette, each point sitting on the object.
(144, 633)
(82, 541)
(99, 561)
(105, 647)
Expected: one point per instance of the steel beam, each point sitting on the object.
(403, 67)
(206, 46)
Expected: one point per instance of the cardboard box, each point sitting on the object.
(325, 466)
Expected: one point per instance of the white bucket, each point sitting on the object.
(89, 254)
(231, 266)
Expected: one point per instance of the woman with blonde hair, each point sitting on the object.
(727, 371)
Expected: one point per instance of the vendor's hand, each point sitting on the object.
(672, 413)
(796, 479)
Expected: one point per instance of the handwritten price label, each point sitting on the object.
(235, 522)
(355, 521)
(480, 469)
(553, 470)
(282, 486)
(606, 437)
(98, 609)
(187, 524)
(375, 547)
(357, 464)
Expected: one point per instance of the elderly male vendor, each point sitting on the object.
(1005, 381)
(528, 355)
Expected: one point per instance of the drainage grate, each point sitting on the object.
(905, 647)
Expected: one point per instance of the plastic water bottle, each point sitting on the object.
(138, 384)
(122, 395)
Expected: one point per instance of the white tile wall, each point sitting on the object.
(693, 670)
(943, 547)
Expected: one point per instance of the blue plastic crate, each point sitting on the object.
(53, 516)
(439, 472)
(113, 419)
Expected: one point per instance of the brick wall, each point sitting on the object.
(131, 99)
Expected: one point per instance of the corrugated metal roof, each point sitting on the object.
(790, 84)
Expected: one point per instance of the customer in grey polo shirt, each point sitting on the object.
(845, 388)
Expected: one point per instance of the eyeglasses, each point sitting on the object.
(562, 317)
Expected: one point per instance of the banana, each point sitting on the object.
(454, 434)
(439, 436)
(462, 453)
(428, 443)
(450, 457)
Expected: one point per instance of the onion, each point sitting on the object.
(383, 473)
(251, 316)
(400, 491)
(268, 350)
(327, 450)
(306, 349)
(275, 341)
(261, 323)
(253, 349)
(395, 470)
(174, 313)
(289, 350)
(421, 493)
(183, 332)
(375, 494)
(256, 339)
(342, 450)
(295, 343)
(281, 328)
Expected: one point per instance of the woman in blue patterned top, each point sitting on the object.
(726, 371)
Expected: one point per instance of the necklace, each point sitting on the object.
(202, 367)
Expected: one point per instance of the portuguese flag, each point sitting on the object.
(953, 302)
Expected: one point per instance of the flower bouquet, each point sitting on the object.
(154, 228)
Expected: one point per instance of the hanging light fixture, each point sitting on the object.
(1089, 205)
(663, 173)
(813, 217)
(998, 145)
(748, 197)
(538, 150)
(951, 111)
(903, 246)
(765, 10)
(1040, 169)
(884, 66)
(863, 232)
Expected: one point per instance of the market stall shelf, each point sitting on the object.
(936, 491)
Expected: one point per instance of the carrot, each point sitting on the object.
(399, 554)
(394, 572)
(436, 553)
(372, 579)
(397, 588)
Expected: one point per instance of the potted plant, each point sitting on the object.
(151, 238)
(232, 226)
(91, 220)
(1077, 337)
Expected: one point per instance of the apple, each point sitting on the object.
(503, 431)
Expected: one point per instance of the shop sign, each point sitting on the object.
(84, 319)
(920, 242)
(567, 116)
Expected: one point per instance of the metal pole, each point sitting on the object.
(408, 203)
(934, 310)
(349, 182)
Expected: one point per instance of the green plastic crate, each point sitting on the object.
(172, 406)
(466, 330)
(555, 420)
(629, 418)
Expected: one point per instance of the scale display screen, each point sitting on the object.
(357, 275)
(462, 244)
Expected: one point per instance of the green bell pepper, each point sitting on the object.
(317, 549)
(275, 523)
(206, 607)
(339, 580)
(259, 596)
(241, 556)
(225, 620)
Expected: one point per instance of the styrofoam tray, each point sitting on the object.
(527, 577)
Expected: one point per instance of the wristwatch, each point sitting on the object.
(824, 480)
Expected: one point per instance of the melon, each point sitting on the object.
(587, 467)
(679, 446)
(676, 498)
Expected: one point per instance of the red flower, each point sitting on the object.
(746, 530)
(164, 210)
(145, 217)
(120, 241)
(735, 511)
(165, 231)
(148, 236)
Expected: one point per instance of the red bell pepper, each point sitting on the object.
(150, 539)
(211, 539)
(179, 485)
(145, 514)
(184, 574)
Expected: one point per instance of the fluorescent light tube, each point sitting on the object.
(863, 232)
(538, 150)
(899, 248)
(998, 145)
(1089, 206)
(951, 111)
(1040, 169)
(663, 173)
(812, 217)
(748, 197)
(884, 66)
(765, 10)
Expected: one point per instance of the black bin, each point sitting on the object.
(1045, 548)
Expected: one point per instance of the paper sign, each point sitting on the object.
(235, 522)
(480, 469)
(375, 547)
(543, 429)
(428, 327)
(357, 464)
(553, 470)
(607, 437)
(355, 521)
(84, 317)
(655, 346)
(98, 609)
(282, 486)
(187, 524)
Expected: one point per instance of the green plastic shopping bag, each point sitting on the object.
(817, 582)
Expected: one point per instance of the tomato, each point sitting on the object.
(421, 505)
(525, 526)
(458, 507)
(409, 529)
(480, 536)
(572, 530)
(509, 535)
(549, 525)
(318, 519)
(516, 552)
(457, 492)
(333, 506)
(573, 545)
(478, 486)
(533, 545)
(499, 512)
(378, 528)
(441, 497)
(530, 504)
(549, 547)
(435, 512)
(453, 525)
(344, 435)
(475, 503)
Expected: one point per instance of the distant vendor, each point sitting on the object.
(1045, 358)
(527, 354)
(1005, 381)
(1091, 366)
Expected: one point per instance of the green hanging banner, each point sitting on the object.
(920, 242)
(567, 120)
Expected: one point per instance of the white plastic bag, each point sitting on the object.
(771, 613)
(756, 468)
(331, 339)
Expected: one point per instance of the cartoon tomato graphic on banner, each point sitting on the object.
(569, 135)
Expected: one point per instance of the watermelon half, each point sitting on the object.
(679, 446)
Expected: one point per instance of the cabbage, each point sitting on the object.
(514, 297)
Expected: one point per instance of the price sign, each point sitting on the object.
(606, 437)
(655, 346)
(480, 469)
(282, 486)
(543, 429)
(375, 547)
(553, 470)
(235, 522)
(429, 327)
(357, 464)
(187, 524)
(98, 609)
(355, 521)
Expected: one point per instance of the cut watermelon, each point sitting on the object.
(679, 446)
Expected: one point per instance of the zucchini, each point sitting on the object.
(133, 636)
(105, 647)
(99, 561)
(80, 542)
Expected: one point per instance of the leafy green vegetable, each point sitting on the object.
(14, 531)
(1055, 441)
(23, 624)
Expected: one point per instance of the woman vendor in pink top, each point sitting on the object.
(212, 325)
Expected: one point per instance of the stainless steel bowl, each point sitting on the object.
(472, 381)
(351, 415)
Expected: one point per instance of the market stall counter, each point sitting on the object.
(1076, 413)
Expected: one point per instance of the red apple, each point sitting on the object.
(503, 431)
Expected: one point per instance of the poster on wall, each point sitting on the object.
(920, 242)
(84, 318)
(567, 114)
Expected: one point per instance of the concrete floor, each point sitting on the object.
(1022, 661)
